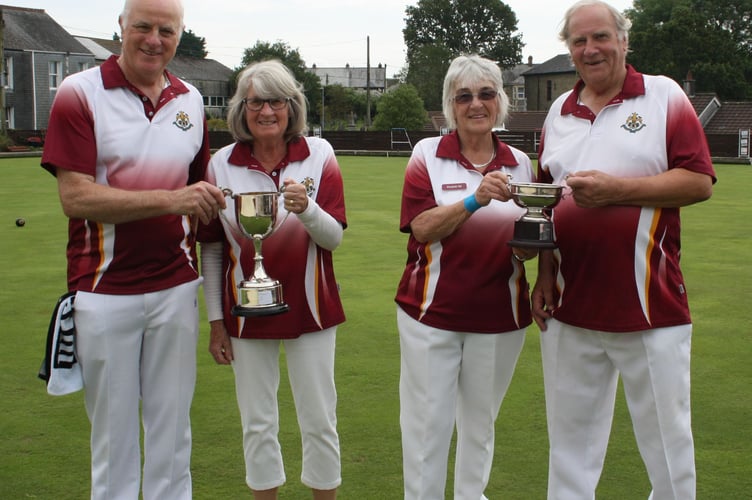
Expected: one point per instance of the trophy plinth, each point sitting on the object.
(256, 217)
(534, 229)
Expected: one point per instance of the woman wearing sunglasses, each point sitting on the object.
(463, 298)
(267, 118)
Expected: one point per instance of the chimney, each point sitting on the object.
(529, 60)
(689, 84)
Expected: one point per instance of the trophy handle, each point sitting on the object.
(227, 192)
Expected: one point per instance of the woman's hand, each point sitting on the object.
(494, 186)
(296, 196)
(220, 346)
(544, 296)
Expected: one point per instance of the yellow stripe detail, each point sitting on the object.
(648, 253)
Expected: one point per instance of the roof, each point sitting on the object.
(102, 48)
(33, 29)
(192, 68)
(730, 118)
(437, 119)
(100, 53)
(513, 75)
(525, 121)
(557, 64)
(701, 100)
(187, 68)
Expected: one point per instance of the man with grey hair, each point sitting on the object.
(610, 300)
(128, 144)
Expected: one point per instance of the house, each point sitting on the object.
(354, 78)
(727, 125)
(210, 77)
(514, 85)
(547, 81)
(37, 54)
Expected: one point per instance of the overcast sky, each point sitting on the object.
(325, 32)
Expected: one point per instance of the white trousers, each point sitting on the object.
(139, 348)
(310, 368)
(581, 369)
(447, 379)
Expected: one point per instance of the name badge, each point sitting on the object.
(458, 186)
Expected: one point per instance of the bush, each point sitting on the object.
(216, 124)
(5, 141)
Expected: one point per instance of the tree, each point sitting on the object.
(400, 108)
(264, 51)
(191, 45)
(345, 107)
(436, 31)
(428, 64)
(709, 38)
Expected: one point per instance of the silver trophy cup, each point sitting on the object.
(534, 229)
(256, 217)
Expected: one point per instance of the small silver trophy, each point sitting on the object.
(256, 217)
(534, 229)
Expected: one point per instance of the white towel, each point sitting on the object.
(60, 367)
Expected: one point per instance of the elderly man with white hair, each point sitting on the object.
(128, 145)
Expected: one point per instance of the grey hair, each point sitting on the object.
(269, 79)
(623, 24)
(466, 71)
(129, 5)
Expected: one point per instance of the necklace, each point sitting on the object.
(484, 165)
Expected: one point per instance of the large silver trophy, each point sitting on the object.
(534, 229)
(256, 217)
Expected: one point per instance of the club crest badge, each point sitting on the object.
(183, 121)
(634, 124)
(310, 185)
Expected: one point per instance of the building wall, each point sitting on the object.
(536, 89)
(31, 97)
(216, 96)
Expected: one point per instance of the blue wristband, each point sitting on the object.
(471, 203)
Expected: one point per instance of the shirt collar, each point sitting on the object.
(242, 154)
(633, 86)
(449, 147)
(113, 77)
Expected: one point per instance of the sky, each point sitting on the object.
(328, 33)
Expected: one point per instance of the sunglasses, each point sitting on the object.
(483, 95)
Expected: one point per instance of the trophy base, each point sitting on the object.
(260, 297)
(533, 234)
(260, 311)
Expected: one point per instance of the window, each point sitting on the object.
(10, 117)
(8, 74)
(56, 74)
(549, 90)
(215, 101)
(519, 92)
(83, 66)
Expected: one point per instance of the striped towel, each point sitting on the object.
(60, 368)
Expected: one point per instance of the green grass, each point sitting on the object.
(44, 447)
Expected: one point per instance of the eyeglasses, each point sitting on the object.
(483, 95)
(255, 104)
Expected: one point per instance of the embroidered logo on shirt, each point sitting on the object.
(634, 124)
(309, 184)
(182, 121)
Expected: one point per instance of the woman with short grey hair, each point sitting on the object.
(462, 302)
